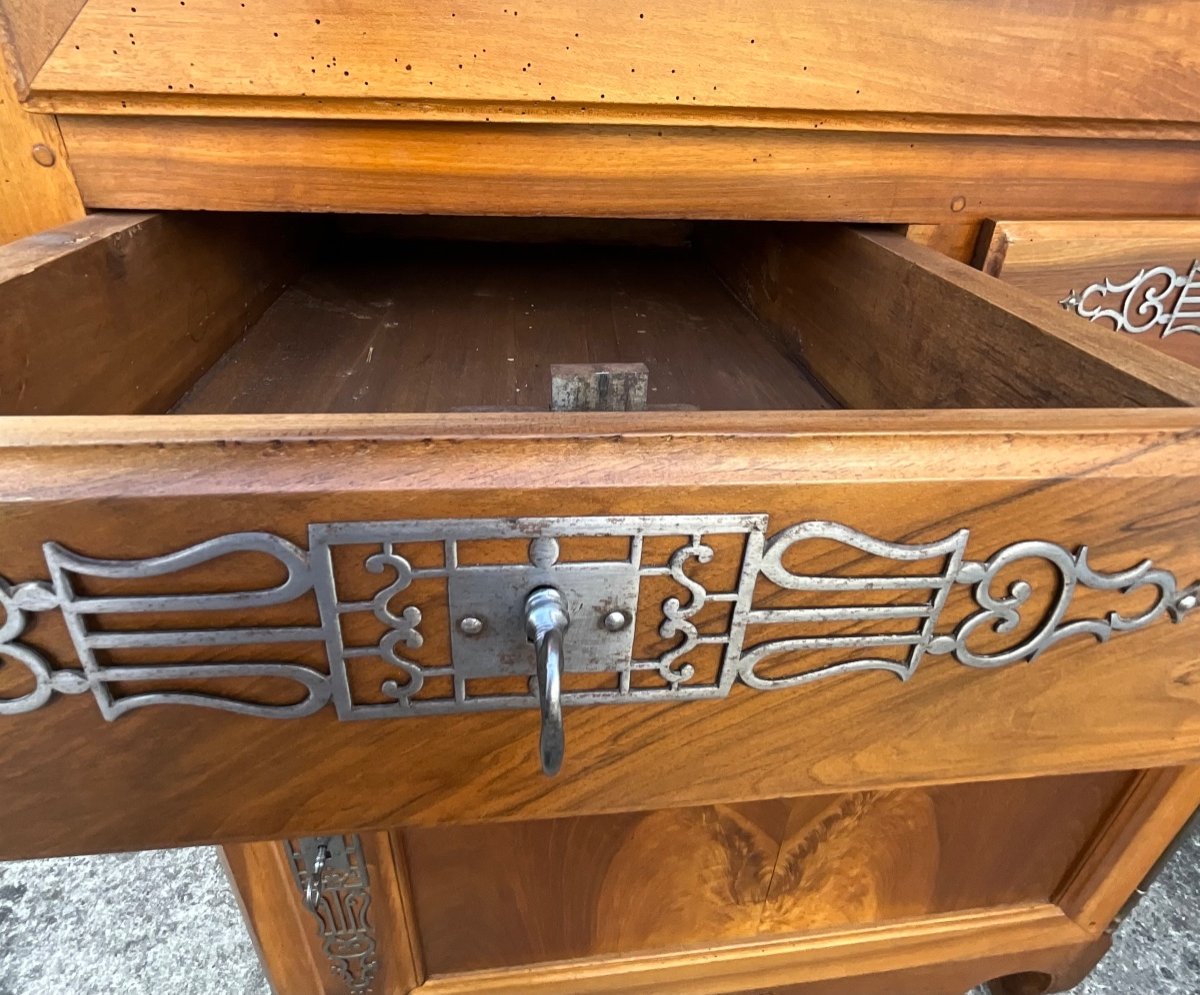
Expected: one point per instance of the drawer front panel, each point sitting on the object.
(236, 607)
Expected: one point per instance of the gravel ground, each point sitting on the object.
(158, 923)
(166, 923)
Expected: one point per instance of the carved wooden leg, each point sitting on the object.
(1073, 969)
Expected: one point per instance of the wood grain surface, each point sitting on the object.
(934, 956)
(37, 188)
(695, 877)
(636, 170)
(121, 313)
(29, 30)
(414, 58)
(590, 887)
(1051, 259)
(956, 241)
(420, 327)
(885, 322)
(1123, 483)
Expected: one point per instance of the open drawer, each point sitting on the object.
(263, 584)
(1136, 278)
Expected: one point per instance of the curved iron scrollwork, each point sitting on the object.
(767, 611)
(404, 628)
(678, 617)
(16, 604)
(1002, 612)
(942, 560)
(1155, 297)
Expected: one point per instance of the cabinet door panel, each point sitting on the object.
(506, 894)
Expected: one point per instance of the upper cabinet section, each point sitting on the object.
(1015, 64)
(914, 111)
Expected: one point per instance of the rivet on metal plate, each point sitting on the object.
(616, 620)
(471, 626)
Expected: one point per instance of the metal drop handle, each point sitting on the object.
(546, 623)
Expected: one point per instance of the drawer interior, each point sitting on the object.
(324, 314)
(450, 325)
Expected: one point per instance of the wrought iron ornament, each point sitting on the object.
(331, 874)
(1158, 297)
(772, 620)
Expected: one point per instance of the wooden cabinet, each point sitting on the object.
(244, 575)
(878, 665)
(918, 891)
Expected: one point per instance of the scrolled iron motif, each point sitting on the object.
(785, 615)
(1155, 297)
(677, 617)
(404, 628)
(17, 603)
(341, 906)
(1003, 612)
(943, 558)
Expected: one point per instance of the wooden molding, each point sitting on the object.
(913, 958)
(1146, 822)
(618, 171)
(429, 58)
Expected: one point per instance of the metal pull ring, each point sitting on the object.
(312, 890)
(546, 622)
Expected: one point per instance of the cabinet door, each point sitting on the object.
(919, 890)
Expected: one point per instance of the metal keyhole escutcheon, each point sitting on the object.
(546, 623)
